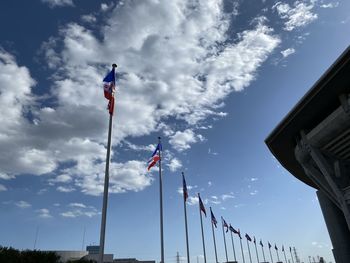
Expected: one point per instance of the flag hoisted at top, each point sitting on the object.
(224, 224)
(109, 88)
(201, 206)
(184, 186)
(213, 219)
(155, 157)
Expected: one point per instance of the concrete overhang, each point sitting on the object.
(317, 107)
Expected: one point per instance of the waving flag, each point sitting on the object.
(109, 88)
(254, 240)
(290, 249)
(269, 244)
(155, 157)
(239, 234)
(184, 187)
(224, 224)
(233, 230)
(276, 247)
(261, 243)
(248, 237)
(201, 206)
(282, 248)
(213, 219)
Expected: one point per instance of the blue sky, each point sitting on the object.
(213, 78)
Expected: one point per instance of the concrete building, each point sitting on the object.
(313, 143)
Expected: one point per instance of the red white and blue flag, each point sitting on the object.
(213, 219)
(184, 186)
(201, 205)
(224, 224)
(248, 237)
(155, 157)
(109, 89)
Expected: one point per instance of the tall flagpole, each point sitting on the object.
(285, 257)
(161, 203)
(262, 249)
(212, 228)
(290, 250)
(223, 233)
(233, 247)
(250, 256)
(278, 257)
(270, 254)
(240, 240)
(200, 215)
(256, 250)
(187, 246)
(106, 184)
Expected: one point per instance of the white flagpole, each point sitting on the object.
(187, 245)
(256, 250)
(262, 249)
(212, 228)
(200, 215)
(240, 240)
(233, 246)
(270, 255)
(161, 204)
(250, 256)
(223, 234)
(106, 184)
(285, 257)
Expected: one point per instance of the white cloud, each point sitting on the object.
(56, 3)
(330, 5)
(287, 52)
(2, 188)
(62, 178)
(88, 18)
(255, 192)
(192, 200)
(200, 67)
(181, 140)
(227, 196)
(4, 176)
(253, 179)
(44, 213)
(210, 183)
(77, 205)
(174, 164)
(297, 16)
(79, 209)
(65, 189)
(23, 204)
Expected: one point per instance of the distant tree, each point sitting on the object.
(11, 255)
(81, 261)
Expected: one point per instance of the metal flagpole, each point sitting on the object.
(36, 236)
(161, 203)
(290, 250)
(262, 249)
(200, 215)
(285, 257)
(223, 233)
(187, 246)
(82, 246)
(250, 257)
(105, 191)
(212, 228)
(233, 247)
(278, 257)
(270, 254)
(240, 240)
(256, 250)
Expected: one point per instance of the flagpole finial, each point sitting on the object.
(114, 65)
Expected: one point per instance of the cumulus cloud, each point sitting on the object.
(78, 210)
(44, 213)
(58, 3)
(174, 164)
(298, 15)
(227, 196)
(23, 204)
(176, 64)
(287, 52)
(330, 5)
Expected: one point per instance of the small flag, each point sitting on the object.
(239, 234)
(233, 230)
(248, 237)
(201, 206)
(269, 244)
(213, 219)
(261, 243)
(155, 157)
(276, 247)
(224, 224)
(290, 249)
(254, 240)
(184, 187)
(109, 88)
(282, 248)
